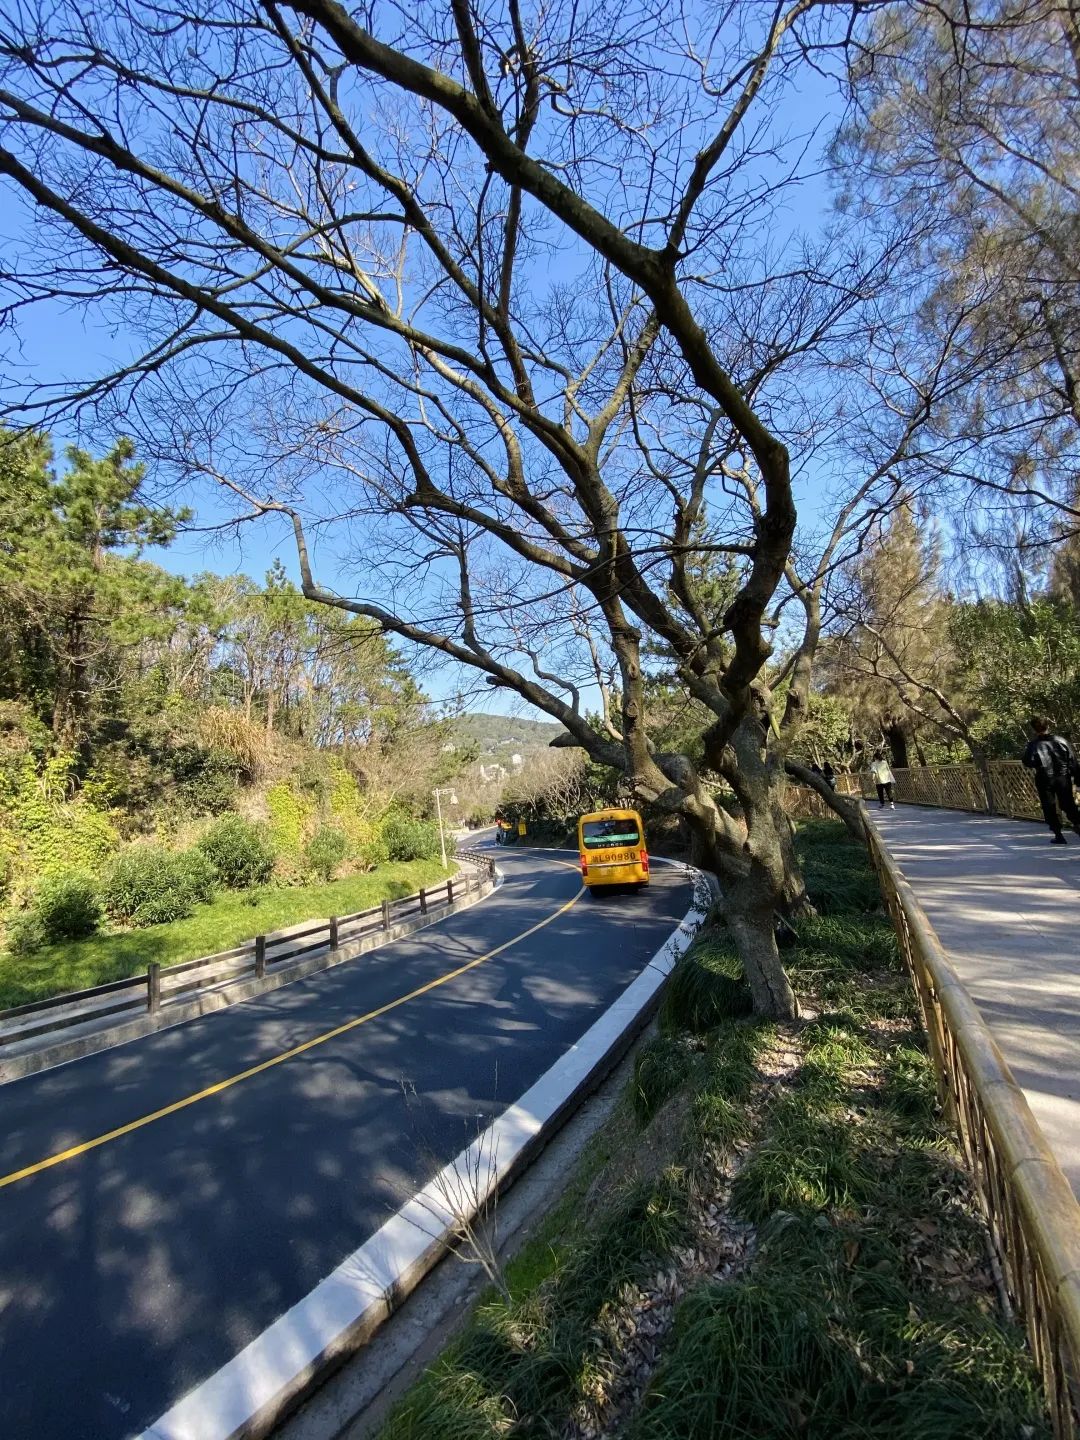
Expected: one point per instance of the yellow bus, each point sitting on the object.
(611, 848)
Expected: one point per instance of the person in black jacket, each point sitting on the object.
(1053, 765)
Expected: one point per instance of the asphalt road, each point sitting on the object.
(133, 1268)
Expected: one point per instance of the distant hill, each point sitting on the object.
(498, 735)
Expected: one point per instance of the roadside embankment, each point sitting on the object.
(774, 1235)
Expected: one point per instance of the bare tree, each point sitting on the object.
(478, 289)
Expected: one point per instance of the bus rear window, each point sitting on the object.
(605, 834)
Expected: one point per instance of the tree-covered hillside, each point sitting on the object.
(141, 711)
(491, 734)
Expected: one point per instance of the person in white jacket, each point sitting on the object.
(884, 779)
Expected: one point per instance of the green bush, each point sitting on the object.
(68, 907)
(212, 792)
(199, 875)
(407, 838)
(150, 886)
(325, 851)
(240, 853)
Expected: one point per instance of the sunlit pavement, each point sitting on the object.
(136, 1268)
(1006, 905)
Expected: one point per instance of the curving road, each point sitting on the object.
(163, 1202)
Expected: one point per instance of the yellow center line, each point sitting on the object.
(216, 1089)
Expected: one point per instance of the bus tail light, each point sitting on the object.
(644, 861)
(584, 865)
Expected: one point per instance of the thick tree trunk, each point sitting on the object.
(758, 884)
(897, 737)
(751, 920)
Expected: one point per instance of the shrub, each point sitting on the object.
(373, 853)
(325, 851)
(211, 793)
(240, 853)
(150, 886)
(407, 838)
(68, 907)
(26, 933)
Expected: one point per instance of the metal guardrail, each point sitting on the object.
(263, 955)
(1032, 1214)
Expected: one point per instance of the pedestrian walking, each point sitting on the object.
(1054, 767)
(884, 779)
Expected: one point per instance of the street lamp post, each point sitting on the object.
(439, 793)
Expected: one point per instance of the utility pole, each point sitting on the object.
(439, 793)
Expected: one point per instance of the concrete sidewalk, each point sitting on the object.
(1006, 905)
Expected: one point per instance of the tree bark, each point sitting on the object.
(761, 881)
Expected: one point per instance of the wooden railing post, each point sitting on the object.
(449, 892)
(333, 932)
(260, 957)
(423, 901)
(153, 987)
(386, 914)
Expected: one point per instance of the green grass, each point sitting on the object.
(813, 1348)
(520, 1366)
(234, 917)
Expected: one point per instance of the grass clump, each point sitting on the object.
(726, 1078)
(815, 1346)
(910, 1088)
(521, 1365)
(839, 878)
(706, 988)
(808, 1161)
(661, 1067)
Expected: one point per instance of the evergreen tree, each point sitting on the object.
(67, 577)
(893, 645)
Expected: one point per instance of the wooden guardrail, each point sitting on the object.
(261, 956)
(802, 803)
(1004, 787)
(1032, 1214)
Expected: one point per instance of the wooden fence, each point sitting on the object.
(1032, 1214)
(265, 955)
